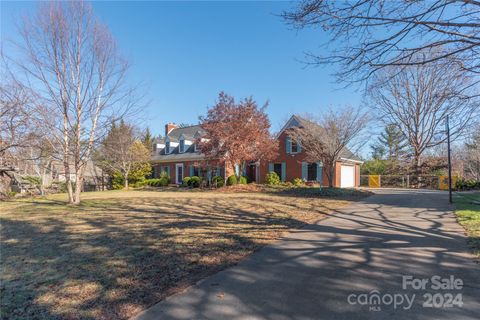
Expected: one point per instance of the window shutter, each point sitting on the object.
(304, 171)
(319, 172)
(284, 171)
(270, 167)
(288, 145)
(191, 170)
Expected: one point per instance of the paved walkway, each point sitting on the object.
(311, 273)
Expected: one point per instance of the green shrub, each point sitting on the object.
(463, 184)
(272, 179)
(11, 194)
(195, 181)
(117, 181)
(164, 181)
(231, 180)
(139, 184)
(151, 182)
(218, 181)
(159, 182)
(243, 180)
(186, 181)
(297, 182)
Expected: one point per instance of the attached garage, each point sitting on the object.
(347, 176)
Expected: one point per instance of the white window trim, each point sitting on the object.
(291, 147)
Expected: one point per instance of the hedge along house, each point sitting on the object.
(177, 155)
(290, 163)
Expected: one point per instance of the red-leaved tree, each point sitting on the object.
(237, 133)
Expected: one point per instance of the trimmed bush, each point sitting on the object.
(462, 184)
(164, 181)
(297, 182)
(243, 180)
(140, 184)
(194, 182)
(218, 181)
(272, 179)
(186, 181)
(231, 180)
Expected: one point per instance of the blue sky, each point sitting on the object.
(186, 52)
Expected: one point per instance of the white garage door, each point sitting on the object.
(347, 176)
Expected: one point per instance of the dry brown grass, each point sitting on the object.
(120, 252)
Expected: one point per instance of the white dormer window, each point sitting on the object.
(182, 145)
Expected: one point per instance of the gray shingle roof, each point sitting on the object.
(189, 133)
(345, 153)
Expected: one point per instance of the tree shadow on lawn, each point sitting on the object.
(311, 273)
(104, 261)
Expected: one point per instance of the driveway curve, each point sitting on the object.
(399, 254)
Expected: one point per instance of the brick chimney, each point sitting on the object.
(169, 127)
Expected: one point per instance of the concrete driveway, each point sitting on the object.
(350, 265)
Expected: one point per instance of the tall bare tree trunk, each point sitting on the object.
(73, 61)
(330, 178)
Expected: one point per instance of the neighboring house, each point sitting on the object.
(176, 154)
(94, 179)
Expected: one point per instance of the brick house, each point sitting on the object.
(177, 155)
(290, 163)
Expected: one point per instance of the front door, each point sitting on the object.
(312, 172)
(252, 172)
(179, 172)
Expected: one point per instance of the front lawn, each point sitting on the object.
(120, 252)
(467, 207)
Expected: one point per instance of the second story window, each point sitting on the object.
(294, 146)
(182, 145)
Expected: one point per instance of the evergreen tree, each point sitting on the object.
(147, 139)
(391, 144)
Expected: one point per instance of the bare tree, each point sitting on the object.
(326, 138)
(15, 117)
(70, 59)
(471, 155)
(369, 35)
(418, 99)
